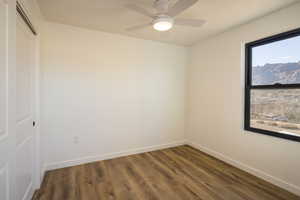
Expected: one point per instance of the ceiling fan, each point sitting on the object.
(164, 18)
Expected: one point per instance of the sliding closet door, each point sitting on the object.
(7, 103)
(25, 109)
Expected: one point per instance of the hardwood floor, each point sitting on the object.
(179, 173)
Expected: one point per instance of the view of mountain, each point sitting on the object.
(276, 73)
(276, 110)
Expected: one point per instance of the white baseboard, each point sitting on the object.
(89, 159)
(276, 181)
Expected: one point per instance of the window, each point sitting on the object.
(272, 86)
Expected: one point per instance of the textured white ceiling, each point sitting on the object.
(112, 16)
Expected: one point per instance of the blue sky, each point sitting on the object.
(277, 52)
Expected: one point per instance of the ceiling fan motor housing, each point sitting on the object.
(164, 18)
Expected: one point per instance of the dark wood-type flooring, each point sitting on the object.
(179, 173)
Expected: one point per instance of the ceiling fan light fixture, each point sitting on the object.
(165, 12)
(163, 23)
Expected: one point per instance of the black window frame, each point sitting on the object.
(248, 83)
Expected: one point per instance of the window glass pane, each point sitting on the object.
(276, 110)
(277, 62)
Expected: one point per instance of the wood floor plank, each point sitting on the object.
(185, 174)
(170, 179)
(218, 183)
(240, 177)
(103, 183)
(154, 177)
(186, 179)
(214, 185)
(136, 180)
(122, 186)
(179, 173)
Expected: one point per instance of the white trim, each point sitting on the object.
(4, 129)
(256, 172)
(36, 118)
(29, 192)
(88, 159)
(4, 172)
(243, 74)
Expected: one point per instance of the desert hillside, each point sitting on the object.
(276, 109)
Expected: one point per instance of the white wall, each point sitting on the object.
(215, 103)
(103, 94)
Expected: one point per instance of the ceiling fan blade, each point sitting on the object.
(190, 22)
(180, 6)
(138, 27)
(139, 10)
(166, 35)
